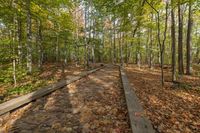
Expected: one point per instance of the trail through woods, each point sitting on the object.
(93, 104)
(43, 43)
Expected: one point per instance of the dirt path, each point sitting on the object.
(92, 105)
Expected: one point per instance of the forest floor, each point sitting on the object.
(172, 109)
(91, 105)
(51, 73)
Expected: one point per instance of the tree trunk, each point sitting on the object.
(162, 47)
(197, 53)
(77, 41)
(86, 62)
(158, 54)
(127, 51)
(13, 37)
(102, 49)
(188, 45)
(29, 38)
(112, 46)
(57, 47)
(114, 41)
(121, 50)
(197, 59)
(147, 49)
(93, 54)
(39, 44)
(180, 40)
(151, 45)
(13, 54)
(63, 59)
(65, 54)
(173, 37)
(138, 54)
(150, 48)
(19, 33)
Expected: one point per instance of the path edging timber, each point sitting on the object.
(22, 100)
(138, 122)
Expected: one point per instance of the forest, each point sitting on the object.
(155, 42)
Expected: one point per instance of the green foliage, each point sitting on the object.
(58, 31)
(24, 89)
(20, 90)
(6, 74)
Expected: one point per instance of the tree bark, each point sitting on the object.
(86, 61)
(138, 54)
(127, 51)
(29, 38)
(65, 54)
(57, 47)
(197, 59)
(114, 41)
(19, 33)
(39, 44)
(121, 48)
(188, 45)
(173, 37)
(13, 36)
(180, 39)
(150, 48)
(163, 44)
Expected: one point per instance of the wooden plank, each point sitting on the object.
(139, 123)
(17, 102)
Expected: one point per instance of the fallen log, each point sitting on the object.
(138, 122)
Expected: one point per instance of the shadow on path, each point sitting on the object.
(92, 105)
(53, 113)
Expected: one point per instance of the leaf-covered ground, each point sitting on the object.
(172, 109)
(95, 104)
(50, 73)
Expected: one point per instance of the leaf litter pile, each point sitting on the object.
(95, 104)
(172, 109)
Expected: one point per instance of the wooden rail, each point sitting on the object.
(139, 123)
(18, 102)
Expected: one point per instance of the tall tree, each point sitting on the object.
(180, 39)
(39, 36)
(29, 37)
(188, 45)
(19, 33)
(162, 47)
(173, 39)
(13, 34)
